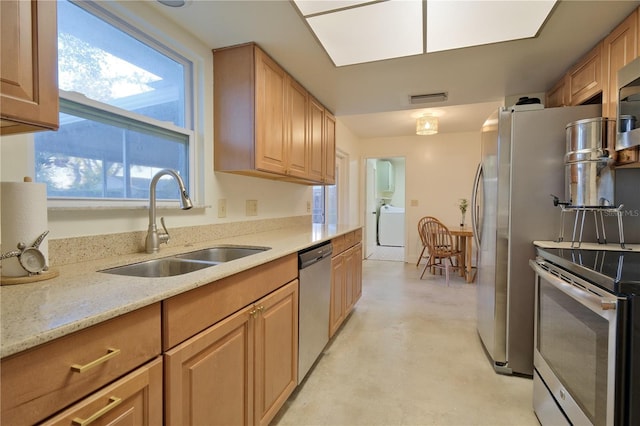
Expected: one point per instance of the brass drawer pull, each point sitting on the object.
(113, 403)
(111, 352)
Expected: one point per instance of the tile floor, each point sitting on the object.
(409, 354)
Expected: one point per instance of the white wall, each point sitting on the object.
(348, 143)
(275, 199)
(439, 171)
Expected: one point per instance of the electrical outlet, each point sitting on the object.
(222, 207)
(308, 206)
(252, 207)
(414, 203)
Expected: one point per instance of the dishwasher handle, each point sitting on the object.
(313, 255)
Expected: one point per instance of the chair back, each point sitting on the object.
(438, 238)
(421, 223)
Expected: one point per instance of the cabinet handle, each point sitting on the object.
(260, 309)
(111, 352)
(113, 403)
(253, 312)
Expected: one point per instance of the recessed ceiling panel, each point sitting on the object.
(370, 33)
(312, 7)
(457, 24)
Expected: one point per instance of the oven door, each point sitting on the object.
(575, 344)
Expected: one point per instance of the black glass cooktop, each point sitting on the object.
(616, 271)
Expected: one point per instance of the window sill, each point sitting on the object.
(57, 206)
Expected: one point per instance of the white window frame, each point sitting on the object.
(155, 38)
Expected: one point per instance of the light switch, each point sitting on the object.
(414, 203)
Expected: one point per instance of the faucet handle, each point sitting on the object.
(163, 237)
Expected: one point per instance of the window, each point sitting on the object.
(125, 111)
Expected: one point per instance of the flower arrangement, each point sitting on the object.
(462, 205)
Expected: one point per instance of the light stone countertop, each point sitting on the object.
(35, 313)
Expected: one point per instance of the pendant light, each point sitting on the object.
(427, 125)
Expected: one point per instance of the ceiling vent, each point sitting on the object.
(429, 97)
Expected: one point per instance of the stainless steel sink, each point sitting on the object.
(165, 267)
(185, 263)
(222, 253)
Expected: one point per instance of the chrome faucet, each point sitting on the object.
(155, 238)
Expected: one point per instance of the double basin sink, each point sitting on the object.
(186, 262)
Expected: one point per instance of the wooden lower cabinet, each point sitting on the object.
(136, 399)
(239, 371)
(337, 312)
(346, 285)
(42, 381)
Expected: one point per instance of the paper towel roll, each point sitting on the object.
(23, 217)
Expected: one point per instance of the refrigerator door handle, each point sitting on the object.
(474, 205)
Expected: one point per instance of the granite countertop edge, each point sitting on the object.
(81, 296)
(587, 246)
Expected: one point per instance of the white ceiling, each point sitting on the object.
(372, 99)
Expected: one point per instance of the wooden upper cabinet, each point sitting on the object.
(584, 80)
(557, 96)
(28, 66)
(261, 118)
(316, 139)
(296, 125)
(270, 115)
(619, 48)
(329, 171)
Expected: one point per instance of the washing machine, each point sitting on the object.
(391, 226)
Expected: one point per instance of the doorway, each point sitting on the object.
(385, 217)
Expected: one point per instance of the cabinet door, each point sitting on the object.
(349, 280)
(329, 148)
(357, 255)
(209, 378)
(28, 66)
(298, 149)
(585, 78)
(136, 399)
(270, 115)
(620, 49)
(315, 137)
(338, 276)
(276, 351)
(557, 96)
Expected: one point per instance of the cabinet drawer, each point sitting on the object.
(349, 239)
(338, 245)
(43, 380)
(136, 399)
(357, 236)
(189, 313)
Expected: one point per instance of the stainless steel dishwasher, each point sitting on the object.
(315, 297)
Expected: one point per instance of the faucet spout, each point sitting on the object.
(155, 238)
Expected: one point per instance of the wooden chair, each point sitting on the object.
(423, 238)
(441, 246)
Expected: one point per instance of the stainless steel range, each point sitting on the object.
(587, 337)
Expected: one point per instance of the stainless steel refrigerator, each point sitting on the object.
(522, 164)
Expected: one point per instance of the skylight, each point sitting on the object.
(354, 32)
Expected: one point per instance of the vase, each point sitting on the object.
(462, 219)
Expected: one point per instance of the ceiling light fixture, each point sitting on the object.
(173, 3)
(360, 31)
(427, 125)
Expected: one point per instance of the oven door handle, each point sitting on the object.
(592, 299)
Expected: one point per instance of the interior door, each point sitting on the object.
(371, 217)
